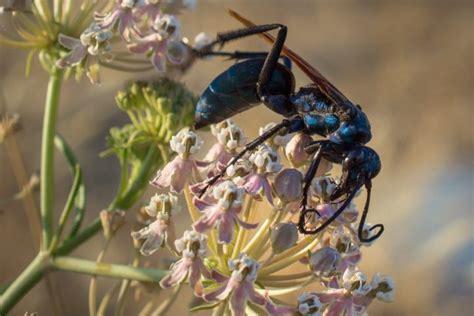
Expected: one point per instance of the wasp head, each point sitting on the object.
(358, 167)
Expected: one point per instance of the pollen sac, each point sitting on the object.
(283, 236)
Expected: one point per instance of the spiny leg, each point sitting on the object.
(285, 124)
(238, 55)
(328, 222)
(360, 230)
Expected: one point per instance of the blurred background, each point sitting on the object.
(408, 63)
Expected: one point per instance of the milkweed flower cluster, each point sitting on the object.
(244, 249)
(84, 36)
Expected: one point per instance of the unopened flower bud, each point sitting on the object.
(111, 221)
(294, 149)
(324, 262)
(288, 185)
(309, 304)
(283, 236)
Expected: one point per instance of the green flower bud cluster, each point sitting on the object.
(157, 110)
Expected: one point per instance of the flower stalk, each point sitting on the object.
(47, 156)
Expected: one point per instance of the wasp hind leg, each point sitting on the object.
(380, 227)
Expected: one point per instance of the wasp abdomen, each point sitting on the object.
(234, 91)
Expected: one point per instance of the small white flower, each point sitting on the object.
(96, 40)
(384, 287)
(266, 159)
(309, 304)
(244, 268)
(190, 242)
(366, 233)
(185, 142)
(163, 203)
(229, 135)
(228, 194)
(341, 240)
(276, 140)
(167, 26)
(356, 282)
(130, 4)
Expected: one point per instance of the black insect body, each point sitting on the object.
(319, 108)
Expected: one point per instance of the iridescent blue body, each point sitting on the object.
(319, 108)
(234, 91)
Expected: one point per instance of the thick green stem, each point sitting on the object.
(118, 271)
(23, 283)
(47, 155)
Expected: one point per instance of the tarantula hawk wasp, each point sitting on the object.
(318, 108)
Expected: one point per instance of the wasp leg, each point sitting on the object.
(238, 55)
(380, 227)
(290, 125)
(225, 37)
(272, 57)
(301, 224)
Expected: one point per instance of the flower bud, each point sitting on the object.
(283, 236)
(288, 185)
(324, 262)
(295, 152)
(111, 221)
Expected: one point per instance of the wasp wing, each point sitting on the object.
(318, 79)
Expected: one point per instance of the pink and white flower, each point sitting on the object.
(266, 162)
(182, 169)
(122, 14)
(193, 248)
(163, 43)
(239, 288)
(222, 211)
(93, 45)
(161, 232)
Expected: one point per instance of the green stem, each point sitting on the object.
(22, 284)
(118, 271)
(47, 155)
(128, 198)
